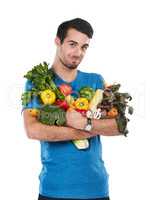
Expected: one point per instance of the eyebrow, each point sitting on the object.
(77, 43)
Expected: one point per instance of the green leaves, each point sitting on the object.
(112, 97)
(42, 79)
(52, 115)
(40, 76)
(122, 124)
(26, 98)
(130, 110)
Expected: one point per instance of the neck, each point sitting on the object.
(66, 74)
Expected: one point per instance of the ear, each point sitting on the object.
(57, 41)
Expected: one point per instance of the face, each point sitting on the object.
(71, 52)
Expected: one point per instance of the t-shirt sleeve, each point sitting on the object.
(100, 82)
(34, 103)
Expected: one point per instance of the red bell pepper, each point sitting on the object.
(62, 104)
(83, 112)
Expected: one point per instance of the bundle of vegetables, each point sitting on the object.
(98, 104)
(43, 85)
(115, 105)
(54, 100)
(52, 115)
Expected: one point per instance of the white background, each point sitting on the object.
(120, 51)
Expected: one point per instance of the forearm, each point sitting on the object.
(57, 133)
(106, 127)
(39, 131)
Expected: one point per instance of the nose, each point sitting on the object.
(78, 52)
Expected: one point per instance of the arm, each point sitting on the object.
(107, 127)
(39, 131)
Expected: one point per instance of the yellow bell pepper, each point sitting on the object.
(48, 96)
(81, 104)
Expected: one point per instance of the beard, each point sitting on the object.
(69, 66)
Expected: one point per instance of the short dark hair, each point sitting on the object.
(78, 24)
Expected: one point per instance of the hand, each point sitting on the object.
(75, 119)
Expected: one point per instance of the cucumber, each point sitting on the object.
(81, 144)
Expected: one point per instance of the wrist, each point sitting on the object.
(83, 123)
(88, 126)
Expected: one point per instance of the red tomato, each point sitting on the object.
(65, 89)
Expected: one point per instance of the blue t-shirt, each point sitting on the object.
(68, 172)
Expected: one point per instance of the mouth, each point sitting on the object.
(75, 60)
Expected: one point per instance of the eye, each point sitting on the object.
(72, 44)
(84, 48)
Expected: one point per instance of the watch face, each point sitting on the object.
(88, 127)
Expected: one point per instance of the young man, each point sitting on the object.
(70, 173)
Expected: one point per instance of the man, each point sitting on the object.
(67, 172)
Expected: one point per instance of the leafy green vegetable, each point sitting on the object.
(122, 124)
(113, 98)
(26, 98)
(42, 78)
(130, 110)
(52, 115)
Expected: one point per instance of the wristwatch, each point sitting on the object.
(88, 126)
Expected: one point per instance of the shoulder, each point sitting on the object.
(28, 85)
(94, 77)
(91, 74)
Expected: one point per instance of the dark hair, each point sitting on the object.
(78, 24)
